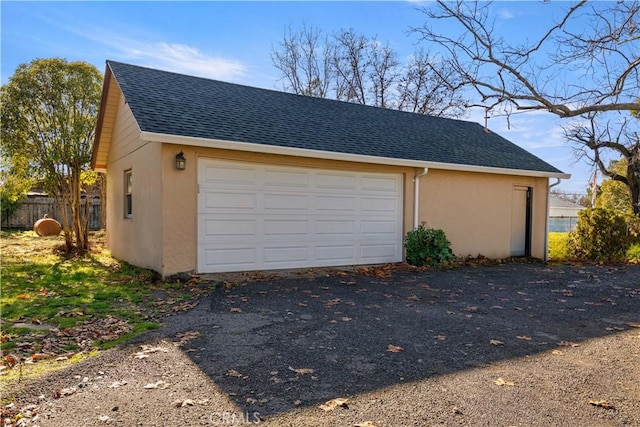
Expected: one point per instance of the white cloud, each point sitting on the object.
(183, 59)
(505, 13)
(169, 56)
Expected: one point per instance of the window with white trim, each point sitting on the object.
(128, 194)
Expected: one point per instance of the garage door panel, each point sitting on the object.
(335, 203)
(229, 227)
(281, 178)
(283, 254)
(336, 180)
(219, 200)
(379, 204)
(286, 202)
(378, 227)
(377, 183)
(335, 253)
(254, 217)
(377, 251)
(244, 257)
(275, 228)
(230, 175)
(335, 227)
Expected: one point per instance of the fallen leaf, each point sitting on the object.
(332, 302)
(334, 403)
(501, 382)
(301, 371)
(236, 374)
(184, 337)
(557, 352)
(184, 307)
(634, 324)
(394, 348)
(140, 355)
(297, 402)
(180, 403)
(159, 385)
(345, 319)
(235, 310)
(524, 337)
(39, 356)
(117, 384)
(602, 403)
(64, 392)
(440, 337)
(568, 344)
(496, 342)
(10, 360)
(365, 424)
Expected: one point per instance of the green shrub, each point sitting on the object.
(633, 253)
(600, 235)
(427, 246)
(559, 246)
(633, 227)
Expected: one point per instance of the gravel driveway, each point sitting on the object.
(511, 344)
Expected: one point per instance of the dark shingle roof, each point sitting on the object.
(176, 104)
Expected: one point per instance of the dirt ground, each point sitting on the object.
(505, 345)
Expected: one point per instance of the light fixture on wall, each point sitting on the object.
(181, 162)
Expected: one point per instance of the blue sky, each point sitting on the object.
(232, 41)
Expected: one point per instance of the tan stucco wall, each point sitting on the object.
(137, 240)
(474, 210)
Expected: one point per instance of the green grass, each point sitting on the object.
(75, 294)
(558, 246)
(40, 285)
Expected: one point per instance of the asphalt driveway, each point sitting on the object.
(281, 344)
(510, 344)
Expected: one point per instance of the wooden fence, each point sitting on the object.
(34, 208)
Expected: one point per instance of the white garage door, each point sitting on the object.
(261, 217)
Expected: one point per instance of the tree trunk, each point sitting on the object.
(62, 198)
(633, 182)
(79, 227)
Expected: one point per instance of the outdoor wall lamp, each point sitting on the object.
(181, 162)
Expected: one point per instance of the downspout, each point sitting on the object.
(546, 236)
(416, 196)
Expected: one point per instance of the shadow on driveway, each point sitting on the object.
(254, 337)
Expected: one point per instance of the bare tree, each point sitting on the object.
(351, 63)
(383, 74)
(359, 69)
(620, 137)
(424, 89)
(304, 59)
(585, 66)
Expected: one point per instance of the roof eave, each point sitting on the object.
(330, 155)
(101, 112)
